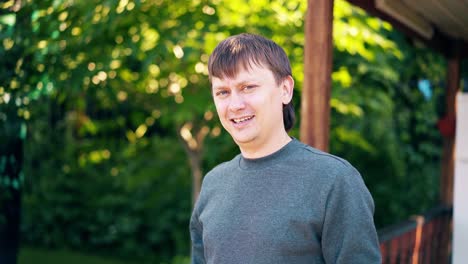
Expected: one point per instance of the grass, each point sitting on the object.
(44, 256)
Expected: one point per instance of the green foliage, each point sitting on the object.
(117, 207)
(105, 87)
(380, 120)
(36, 255)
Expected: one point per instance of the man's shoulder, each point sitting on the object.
(317, 157)
(327, 170)
(322, 165)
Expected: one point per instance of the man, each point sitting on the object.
(279, 201)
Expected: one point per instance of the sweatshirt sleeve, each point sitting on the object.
(196, 234)
(349, 234)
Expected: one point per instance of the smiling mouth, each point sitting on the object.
(242, 119)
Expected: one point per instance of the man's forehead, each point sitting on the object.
(240, 78)
(241, 75)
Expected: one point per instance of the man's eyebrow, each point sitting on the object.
(219, 87)
(237, 84)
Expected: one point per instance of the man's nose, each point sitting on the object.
(237, 102)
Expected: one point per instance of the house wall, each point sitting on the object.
(460, 201)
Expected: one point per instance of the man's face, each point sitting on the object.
(250, 106)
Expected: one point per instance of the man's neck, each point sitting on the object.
(264, 149)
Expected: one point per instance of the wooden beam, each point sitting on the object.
(448, 152)
(318, 51)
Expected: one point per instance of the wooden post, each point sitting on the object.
(448, 152)
(318, 51)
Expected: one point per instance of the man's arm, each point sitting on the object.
(349, 234)
(196, 234)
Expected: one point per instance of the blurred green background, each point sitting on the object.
(112, 103)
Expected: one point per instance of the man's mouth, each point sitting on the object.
(242, 119)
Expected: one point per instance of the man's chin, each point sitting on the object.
(244, 141)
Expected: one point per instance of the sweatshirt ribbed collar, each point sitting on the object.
(267, 161)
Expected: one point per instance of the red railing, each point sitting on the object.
(422, 239)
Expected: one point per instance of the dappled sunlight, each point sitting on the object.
(208, 115)
(346, 108)
(216, 131)
(125, 5)
(353, 35)
(343, 77)
(141, 130)
(8, 43)
(154, 70)
(353, 138)
(150, 38)
(94, 157)
(186, 134)
(152, 87)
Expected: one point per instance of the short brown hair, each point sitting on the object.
(245, 49)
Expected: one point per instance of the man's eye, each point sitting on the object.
(221, 93)
(249, 87)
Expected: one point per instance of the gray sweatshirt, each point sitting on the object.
(297, 205)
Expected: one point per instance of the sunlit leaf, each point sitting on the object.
(8, 19)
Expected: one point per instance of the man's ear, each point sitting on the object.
(287, 89)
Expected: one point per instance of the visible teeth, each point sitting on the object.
(238, 120)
